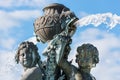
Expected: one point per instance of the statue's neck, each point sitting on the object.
(25, 68)
(85, 70)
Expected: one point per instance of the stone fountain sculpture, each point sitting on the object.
(56, 27)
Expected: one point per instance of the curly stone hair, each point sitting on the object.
(29, 46)
(86, 49)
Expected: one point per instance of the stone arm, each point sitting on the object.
(70, 70)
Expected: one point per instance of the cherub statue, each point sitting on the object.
(87, 58)
(27, 55)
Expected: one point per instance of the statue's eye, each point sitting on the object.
(22, 54)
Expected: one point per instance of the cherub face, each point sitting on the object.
(25, 57)
(85, 59)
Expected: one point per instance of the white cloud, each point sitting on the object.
(6, 3)
(13, 18)
(7, 43)
(109, 52)
(29, 3)
(6, 21)
(10, 20)
(25, 14)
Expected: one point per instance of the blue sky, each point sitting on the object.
(16, 25)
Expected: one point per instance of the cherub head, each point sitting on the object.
(87, 56)
(27, 54)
